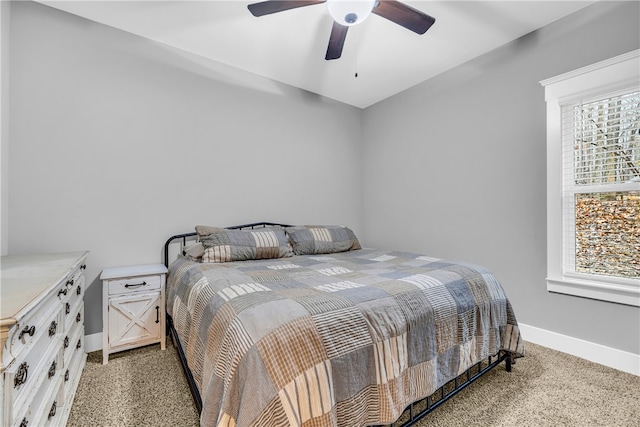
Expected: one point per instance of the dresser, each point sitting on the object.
(42, 337)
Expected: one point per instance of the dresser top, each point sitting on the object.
(26, 279)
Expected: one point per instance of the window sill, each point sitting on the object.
(628, 294)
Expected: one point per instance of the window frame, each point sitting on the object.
(612, 75)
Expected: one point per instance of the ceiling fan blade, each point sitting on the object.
(274, 6)
(336, 41)
(405, 15)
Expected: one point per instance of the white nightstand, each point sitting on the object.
(133, 307)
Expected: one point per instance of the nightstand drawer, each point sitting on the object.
(133, 284)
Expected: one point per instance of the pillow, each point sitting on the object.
(319, 239)
(194, 251)
(223, 245)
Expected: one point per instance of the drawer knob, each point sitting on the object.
(52, 411)
(67, 308)
(83, 267)
(21, 375)
(79, 343)
(78, 290)
(66, 342)
(135, 285)
(62, 291)
(24, 422)
(52, 370)
(53, 328)
(27, 330)
(78, 317)
(70, 282)
(66, 376)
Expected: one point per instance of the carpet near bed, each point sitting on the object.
(147, 387)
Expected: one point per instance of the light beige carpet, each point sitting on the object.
(146, 387)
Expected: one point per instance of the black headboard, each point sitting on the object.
(191, 236)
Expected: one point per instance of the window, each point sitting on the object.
(593, 181)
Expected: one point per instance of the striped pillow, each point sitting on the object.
(223, 245)
(322, 239)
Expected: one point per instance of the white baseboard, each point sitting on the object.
(614, 358)
(93, 342)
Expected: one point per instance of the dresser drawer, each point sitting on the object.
(74, 293)
(65, 290)
(140, 283)
(26, 332)
(27, 370)
(70, 341)
(48, 392)
(34, 375)
(71, 314)
(72, 372)
(47, 407)
(48, 400)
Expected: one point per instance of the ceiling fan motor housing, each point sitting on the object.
(350, 12)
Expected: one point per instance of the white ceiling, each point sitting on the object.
(290, 46)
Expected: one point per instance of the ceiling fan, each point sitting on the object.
(346, 13)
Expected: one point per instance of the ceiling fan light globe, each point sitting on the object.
(350, 12)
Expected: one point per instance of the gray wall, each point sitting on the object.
(118, 143)
(456, 167)
(5, 24)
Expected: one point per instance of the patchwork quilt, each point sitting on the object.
(346, 339)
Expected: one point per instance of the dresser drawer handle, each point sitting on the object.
(52, 411)
(66, 342)
(21, 375)
(66, 376)
(83, 267)
(62, 291)
(24, 422)
(78, 318)
(67, 309)
(79, 343)
(78, 290)
(70, 282)
(27, 330)
(135, 285)
(52, 370)
(53, 328)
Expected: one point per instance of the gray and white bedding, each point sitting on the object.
(340, 339)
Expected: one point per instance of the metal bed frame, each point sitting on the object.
(412, 413)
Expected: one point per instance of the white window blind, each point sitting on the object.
(601, 179)
(593, 184)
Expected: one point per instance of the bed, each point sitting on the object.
(300, 326)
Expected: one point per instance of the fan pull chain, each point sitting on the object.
(357, 53)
